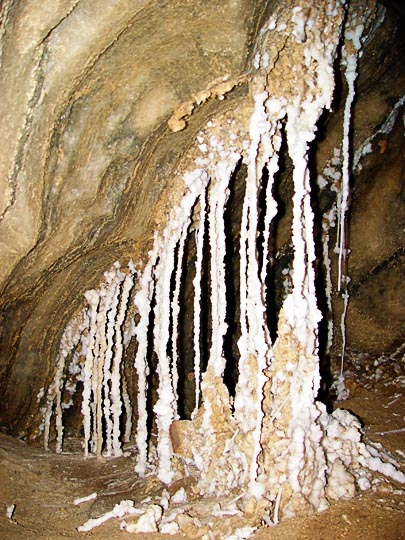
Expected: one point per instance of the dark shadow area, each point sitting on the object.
(279, 259)
(232, 222)
(321, 202)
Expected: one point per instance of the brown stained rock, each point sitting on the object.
(182, 433)
(376, 313)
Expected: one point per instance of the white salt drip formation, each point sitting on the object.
(272, 448)
(338, 173)
(351, 51)
(91, 353)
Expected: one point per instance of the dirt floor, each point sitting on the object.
(43, 485)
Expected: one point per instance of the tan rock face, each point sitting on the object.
(88, 161)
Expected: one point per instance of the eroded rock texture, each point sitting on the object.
(100, 103)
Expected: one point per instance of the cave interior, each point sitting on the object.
(202, 260)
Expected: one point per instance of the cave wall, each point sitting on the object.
(94, 100)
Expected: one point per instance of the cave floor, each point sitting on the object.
(43, 485)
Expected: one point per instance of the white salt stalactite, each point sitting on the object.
(343, 201)
(306, 462)
(166, 405)
(143, 302)
(115, 393)
(222, 473)
(113, 278)
(70, 339)
(302, 309)
(300, 306)
(350, 76)
(254, 344)
(243, 340)
(271, 204)
(350, 60)
(176, 310)
(92, 298)
(97, 379)
(93, 342)
(58, 405)
(199, 239)
(126, 402)
(327, 222)
(215, 395)
(303, 316)
(105, 341)
(216, 228)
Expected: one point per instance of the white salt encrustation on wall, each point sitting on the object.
(91, 352)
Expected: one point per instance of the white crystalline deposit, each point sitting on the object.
(10, 511)
(291, 457)
(145, 518)
(179, 497)
(120, 510)
(147, 522)
(337, 175)
(254, 343)
(93, 345)
(274, 445)
(143, 302)
(166, 405)
(80, 500)
(241, 534)
(70, 341)
(169, 528)
(351, 461)
(199, 238)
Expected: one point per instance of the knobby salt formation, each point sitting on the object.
(91, 353)
(272, 447)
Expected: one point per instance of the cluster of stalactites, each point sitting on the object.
(221, 148)
(237, 448)
(91, 353)
(273, 436)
